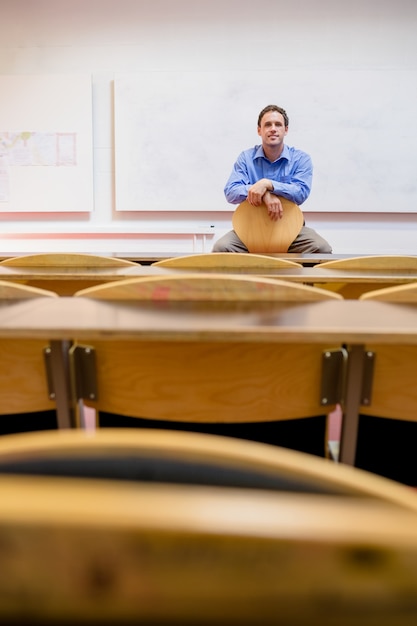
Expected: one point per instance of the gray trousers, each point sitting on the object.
(307, 241)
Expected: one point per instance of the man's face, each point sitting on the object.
(272, 129)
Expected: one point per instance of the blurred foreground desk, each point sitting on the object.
(120, 553)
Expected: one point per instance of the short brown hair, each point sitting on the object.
(273, 107)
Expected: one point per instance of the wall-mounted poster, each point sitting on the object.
(46, 144)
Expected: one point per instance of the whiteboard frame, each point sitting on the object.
(177, 135)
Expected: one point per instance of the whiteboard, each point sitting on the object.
(177, 135)
(46, 143)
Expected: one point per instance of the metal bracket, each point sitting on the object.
(368, 376)
(83, 372)
(58, 381)
(47, 356)
(333, 376)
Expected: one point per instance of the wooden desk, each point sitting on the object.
(147, 257)
(67, 281)
(120, 553)
(303, 258)
(309, 275)
(349, 321)
(335, 322)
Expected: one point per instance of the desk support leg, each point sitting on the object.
(352, 402)
(59, 361)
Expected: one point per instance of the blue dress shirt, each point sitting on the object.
(291, 174)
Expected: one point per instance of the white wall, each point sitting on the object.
(107, 37)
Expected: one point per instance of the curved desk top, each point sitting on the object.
(315, 274)
(352, 321)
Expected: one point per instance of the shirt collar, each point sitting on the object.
(259, 154)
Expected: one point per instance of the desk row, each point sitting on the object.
(65, 282)
(215, 362)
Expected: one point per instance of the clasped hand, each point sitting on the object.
(259, 193)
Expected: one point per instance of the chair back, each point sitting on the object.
(374, 262)
(393, 391)
(155, 456)
(15, 291)
(64, 259)
(23, 380)
(208, 381)
(177, 554)
(407, 294)
(207, 287)
(260, 234)
(386, 430)
(224, 260)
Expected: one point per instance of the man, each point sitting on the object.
(265, 172)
